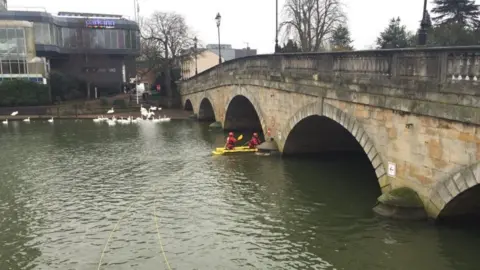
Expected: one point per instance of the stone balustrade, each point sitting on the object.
(437, 65)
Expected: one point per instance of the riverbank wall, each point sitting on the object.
(122, 105)
(174, 114)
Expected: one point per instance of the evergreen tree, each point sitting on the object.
(290, 47)
(395, 36)
(340, 40)
(461, 12)
(452, 35)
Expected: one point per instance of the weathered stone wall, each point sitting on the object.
(416, 109)
(426, 150)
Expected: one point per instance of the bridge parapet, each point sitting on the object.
(435, 65)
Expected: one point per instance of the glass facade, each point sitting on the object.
(48, 34)
(3, 5)
(13, 51)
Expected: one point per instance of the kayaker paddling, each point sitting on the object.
(230, 141)
(254, 141)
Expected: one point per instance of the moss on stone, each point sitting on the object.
(401, 197)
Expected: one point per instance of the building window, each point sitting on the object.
(12, 43)
(58, 36)
(128, 40)
(121, 39)
(42, 33)
(98, 38)
(22, 66)
(86, 38)
(13, 66)
(72, 38)
(114, 36)
(5, 67)
(108, 38)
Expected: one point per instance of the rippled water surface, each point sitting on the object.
(65, 186)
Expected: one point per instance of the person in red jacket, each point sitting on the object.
(230, 141)
(254, 141)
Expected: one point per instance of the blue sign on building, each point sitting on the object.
(99, 23)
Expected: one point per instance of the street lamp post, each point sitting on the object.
(218, 19)
(277, 48)
(424, 25)
(195, 40)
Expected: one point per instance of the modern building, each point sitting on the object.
(204, 61)
(17, 52)
(99, 49)
(229, 53)
(3, 5)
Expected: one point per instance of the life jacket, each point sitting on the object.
(231, 140)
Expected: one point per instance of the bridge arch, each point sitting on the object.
(206, 111)
(188, 106)
(458, 196)
(243, 112)
(344, 133)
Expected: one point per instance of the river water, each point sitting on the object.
(65, 186)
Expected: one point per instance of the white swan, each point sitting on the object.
(5, 122)
(50, 120)
(111, 122)
(165, 118)
(111, 110)
(26, 119)
(124, 121)
(14, 113)
(96, 120)
(153, 108)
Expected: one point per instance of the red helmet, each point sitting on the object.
(255, 134)
(230, 134)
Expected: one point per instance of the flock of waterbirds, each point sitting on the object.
(5, 122)
(146, 116)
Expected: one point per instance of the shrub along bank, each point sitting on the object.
(23, 93)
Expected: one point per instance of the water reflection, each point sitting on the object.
(64, 186)
(18, 217)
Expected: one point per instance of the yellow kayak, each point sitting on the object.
(239, 149)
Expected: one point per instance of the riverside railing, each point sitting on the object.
(438, 64)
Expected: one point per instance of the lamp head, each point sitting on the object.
(218, 19)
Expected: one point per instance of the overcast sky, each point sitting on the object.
(251, 21)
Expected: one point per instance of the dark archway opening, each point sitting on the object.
(322, 153)
(463, 210)
(320, 135)
(188, 106)
(242, 116)
(328, 141)
(206, 112)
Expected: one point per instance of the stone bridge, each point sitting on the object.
(413, 112)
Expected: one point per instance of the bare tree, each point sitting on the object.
(166, 39)
(311, 22)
